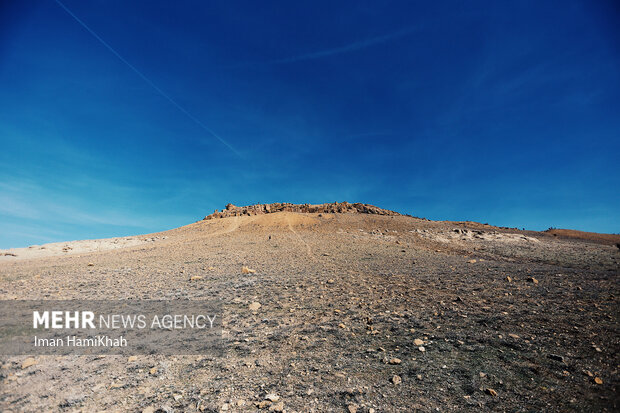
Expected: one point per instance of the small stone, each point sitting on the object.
(556, 357)
(395, 361)
(418, 342)
(509, 279)
(131, 359)
(397, 380)
(490, 392)
(254, 306)
(240, 402)
(28, 362)
(341, 325)
(272, 397)
(246, 270)
(471, 261)
(264, 404)
(195, 278)
(153, 371)
(278, 407)
(532, 280)
(422, 349)
(149, 409)
(598, 380)
(588, 373)
(352, 408)
(514, 336)
(482, 375)
(177, 397)
(90, 264)
(224, 407)
(330, 281)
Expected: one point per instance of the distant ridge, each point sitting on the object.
(331, 208)
(592, 236)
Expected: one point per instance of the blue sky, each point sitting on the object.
(499, 112)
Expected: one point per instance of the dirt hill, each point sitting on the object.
(359, 312)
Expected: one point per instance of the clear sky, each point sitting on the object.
(493, 111)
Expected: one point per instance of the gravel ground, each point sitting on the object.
(358, 313)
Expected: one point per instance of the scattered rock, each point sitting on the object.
(422, 349)
(195, 278)
(28, 362)
(490, 392)
(397, 380)
(254, 306)
(509, 278)
(532, 280)
(598, 380)
(556, 357)
(471, 261)
(272, 397)
(395, 361)
(278, 407)
(246, 270)
(131, 359)
(418, 342)
(352, 408)
(90, 264)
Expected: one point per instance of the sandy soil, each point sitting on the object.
(72, 247)
(508, 320)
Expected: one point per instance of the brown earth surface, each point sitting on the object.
(592, 236)
(508, 320)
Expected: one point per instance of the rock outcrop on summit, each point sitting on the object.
(331, 208)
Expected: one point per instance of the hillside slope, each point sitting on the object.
(358, 311)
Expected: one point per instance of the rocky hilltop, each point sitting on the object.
(331, 208)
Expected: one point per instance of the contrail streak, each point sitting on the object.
(349, 47)
(147, 80)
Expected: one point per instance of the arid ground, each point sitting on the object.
(358, 312)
